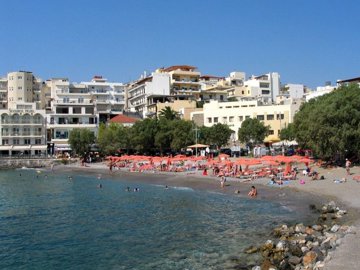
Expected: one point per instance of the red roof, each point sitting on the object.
(123, 119)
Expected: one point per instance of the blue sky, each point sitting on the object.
(306, 41)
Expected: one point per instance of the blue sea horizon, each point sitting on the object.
(49, 221)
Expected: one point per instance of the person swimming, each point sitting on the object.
(127, 189)
(99, 185)
(136, 189)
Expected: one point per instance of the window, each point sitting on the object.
(224, 119)
(216, 119)
(265, 92)
(261, 117)
(270, 117)
(19, 77)
(247, 116)
(264, 85)
(231, 119)
(26, 141)
(271, 132)
(37, 141)
(209, 120)
(19, 87)
(19, 98)
(81, 100)
(280, 116)
(5, 141)
(241, 118)
(16, 141)
(242, 92)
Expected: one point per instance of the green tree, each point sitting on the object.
(253, 131)
(183, 134)
(80, 140)
(142, 135)
(168, 113)
(218, 134)
(111, 138)
(330, 124)
(288, 133)
(164, 135)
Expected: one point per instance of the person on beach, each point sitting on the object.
(222, 182)
(252, 192)
(347, 166)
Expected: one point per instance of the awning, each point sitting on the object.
(38, 147)
(5, 147)
(21, 147)
(198, 146)
(62, 147)
(271, 139)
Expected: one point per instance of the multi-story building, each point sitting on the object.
(108, 98)
(3, 93)
(147, 91)
(23, 124)
(184, 81)
(265, 87)
(234, 113)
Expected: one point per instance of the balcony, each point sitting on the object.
(73, 101)
(67, 92)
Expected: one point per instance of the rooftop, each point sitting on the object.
(123, 119)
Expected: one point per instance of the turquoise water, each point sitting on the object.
(51, 222)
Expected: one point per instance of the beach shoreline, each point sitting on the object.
(345, 194)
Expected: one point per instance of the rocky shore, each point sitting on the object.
(301, 247)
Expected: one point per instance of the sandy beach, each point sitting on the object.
(347, 194)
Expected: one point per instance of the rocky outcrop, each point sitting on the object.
(303, 247)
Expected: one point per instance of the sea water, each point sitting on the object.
(51, 221)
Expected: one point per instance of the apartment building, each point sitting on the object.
(145, 93)
(184, 81)
(108, 98)
(22, 122)
(71, 106)
(3, 93)
(234, 113)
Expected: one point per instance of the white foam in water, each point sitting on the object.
(183, 188)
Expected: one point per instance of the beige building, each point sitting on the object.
(234, 113)
(22, 122)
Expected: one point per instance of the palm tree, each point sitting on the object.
(169, 113)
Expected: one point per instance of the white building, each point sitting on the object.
(295, 91)
(158, 84)
(320, 91)
(108, 97)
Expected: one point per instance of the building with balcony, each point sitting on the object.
(265, 87)
(22, 122)
(147, 91)
(71, 106)
(108, 98)
(184, 81)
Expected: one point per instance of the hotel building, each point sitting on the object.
(234, 113)
(22, 121)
